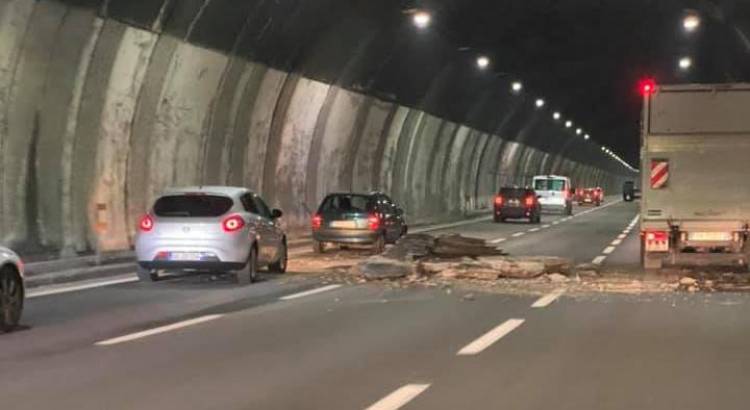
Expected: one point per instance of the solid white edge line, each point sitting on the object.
(599, 260)
(310, 292)
(499, 240)
(399, 397)
(55, 290)
(518, 234)
(608, 250)
(157, 330)
(547, 299)
(489, 338)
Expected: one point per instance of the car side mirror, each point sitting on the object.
(276, 214)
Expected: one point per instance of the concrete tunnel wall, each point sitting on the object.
(98, 116)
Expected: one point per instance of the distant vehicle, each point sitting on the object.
(517, 203)
(695, 204)
(555, 193)
(224, 229)
(12, 291)
(630, 191)
(589, 196)
(357, 219)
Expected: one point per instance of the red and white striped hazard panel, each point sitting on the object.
(659, 173)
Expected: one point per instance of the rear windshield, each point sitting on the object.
(549, 185)
(515, 192)
(351, 203)
(195, 206)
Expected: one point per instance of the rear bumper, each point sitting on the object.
(227, 250)
(555, 207)
(354, 237)
(512, 212)
(202, 265)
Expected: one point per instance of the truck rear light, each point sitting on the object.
(146, 223)
(373, 222)
(656, 241)
(316, 222)
(499, 200)
(736, 237)
(232, 223)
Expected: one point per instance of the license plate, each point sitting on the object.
(344, 224)
(710, 236)
(587, 200)
(185, 256)
(514, 202)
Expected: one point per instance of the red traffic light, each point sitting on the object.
(647, 87)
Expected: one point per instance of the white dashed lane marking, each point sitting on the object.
(489, 338)
(400, 397)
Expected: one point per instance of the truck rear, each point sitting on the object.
(695, 205)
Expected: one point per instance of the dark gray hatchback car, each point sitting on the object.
(357, 219)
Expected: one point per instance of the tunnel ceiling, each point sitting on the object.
(583, 56)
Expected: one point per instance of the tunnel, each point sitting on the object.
(105, 103)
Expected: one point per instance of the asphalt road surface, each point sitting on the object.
(294, 342)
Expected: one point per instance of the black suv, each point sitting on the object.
(357, 219)
(630, 191)
(517, 203)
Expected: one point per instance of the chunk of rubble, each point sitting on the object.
(688, 281)
(587, 270)
(380, 268)
(556, 278)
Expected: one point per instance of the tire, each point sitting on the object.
(147, 275)
(379, 246)
(280, 265)
(249, 274)
(538, 219)
(598, 203)
(497, 219)
(11, 298)
(319, 247)
(569, 210)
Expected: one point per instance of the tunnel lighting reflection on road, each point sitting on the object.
(568, 124)
(483, 62)
(516, 87)
(556, 116)
(422, 19)
(691, 22)
(539, 103)
(685, 63)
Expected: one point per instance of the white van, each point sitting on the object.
(554, 193)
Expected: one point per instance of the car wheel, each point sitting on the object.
(538, 219)
(496, 219)
(11, 298)
(147, 275)
(319, 247)
(280, 265)
(379, 246)
(569, 210)
(249, 273)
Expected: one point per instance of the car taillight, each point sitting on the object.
(373, 222)
(316, 222)
(233, 223)
(146, 223)
(530, 200)
(499, 200)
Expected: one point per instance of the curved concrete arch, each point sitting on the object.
(104, 106)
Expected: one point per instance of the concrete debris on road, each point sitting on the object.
(379, 268)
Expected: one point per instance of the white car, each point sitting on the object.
(11, 289)
(555, 193)
(213, 229)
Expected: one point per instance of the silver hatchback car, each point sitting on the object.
(211, 228)
(11, 289)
